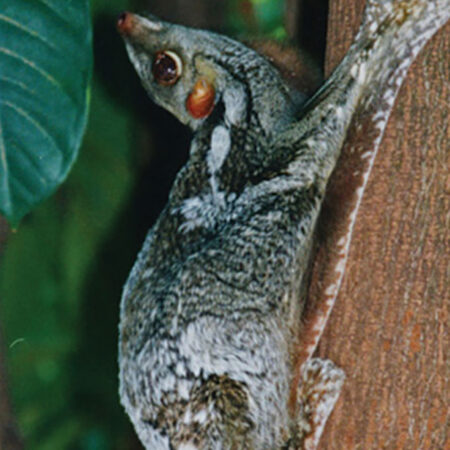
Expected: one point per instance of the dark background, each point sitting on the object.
(64, 268)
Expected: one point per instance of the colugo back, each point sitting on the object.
(211, 309)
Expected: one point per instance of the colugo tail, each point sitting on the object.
(368, 78)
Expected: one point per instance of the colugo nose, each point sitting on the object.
(125, 22)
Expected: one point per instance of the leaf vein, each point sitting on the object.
(55, 11)
(50, 78)
(18, 83)
(33, 121)
(25, 153)
(21, 189)
(27, 30)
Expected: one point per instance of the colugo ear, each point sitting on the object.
(200, 101)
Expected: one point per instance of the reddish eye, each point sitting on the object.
(167, 68)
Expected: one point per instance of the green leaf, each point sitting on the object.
(45, 68)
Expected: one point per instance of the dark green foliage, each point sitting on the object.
(257, 17)
(45, 67)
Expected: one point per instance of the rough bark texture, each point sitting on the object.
(292, 18)
(389, 329)
(9, 438)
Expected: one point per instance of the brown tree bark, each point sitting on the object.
(389, 329)
(292, 18)
(9, 437)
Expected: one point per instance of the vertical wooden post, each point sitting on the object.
(389, 329)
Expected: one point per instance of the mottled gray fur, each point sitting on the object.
(210, 310)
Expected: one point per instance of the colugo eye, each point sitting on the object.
(167, 67)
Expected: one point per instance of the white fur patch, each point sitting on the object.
(220, 146)
(201, 211)
(235, 102)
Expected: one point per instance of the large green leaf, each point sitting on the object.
(45, 67)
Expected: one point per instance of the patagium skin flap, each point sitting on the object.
(212, 306)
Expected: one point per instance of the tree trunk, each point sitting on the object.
(9, 437)
(389, 330)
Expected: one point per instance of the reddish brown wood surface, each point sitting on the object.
(389, 329)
